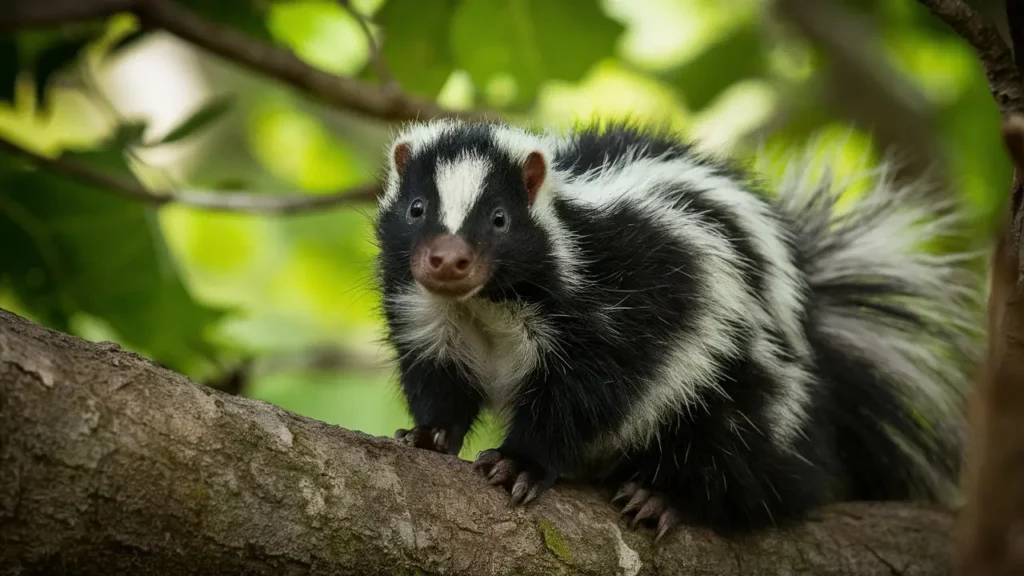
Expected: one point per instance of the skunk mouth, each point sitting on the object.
(448, 267)
(450, 292)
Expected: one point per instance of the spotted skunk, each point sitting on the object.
(642, 317)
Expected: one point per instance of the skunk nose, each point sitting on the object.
(448, 258)
(447, 266)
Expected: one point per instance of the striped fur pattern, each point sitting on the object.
(652, 317)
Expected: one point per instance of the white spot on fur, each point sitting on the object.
(459, 184)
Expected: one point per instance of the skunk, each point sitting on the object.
(645, 317)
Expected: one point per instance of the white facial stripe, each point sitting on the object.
(418, 135)
(459, 184)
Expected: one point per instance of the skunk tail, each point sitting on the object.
(894, 327)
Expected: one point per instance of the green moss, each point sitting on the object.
(554, 540)
(199, 491)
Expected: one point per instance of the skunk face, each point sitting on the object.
(458, 221)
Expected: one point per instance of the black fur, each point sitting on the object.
(714, 459)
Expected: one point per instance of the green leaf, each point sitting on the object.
(129, 40)
(415, 43)
(203, 117)
(738, 55)
(9, 67)
(246, 16)
(531, 41)
(128, 134)
(75, 249)
(54, 57)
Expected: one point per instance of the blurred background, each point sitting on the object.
(283, 307)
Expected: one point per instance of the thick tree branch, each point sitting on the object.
(206, 200)
(991, 541)
(112, 465)
(1004, 79)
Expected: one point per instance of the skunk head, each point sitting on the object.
(456, 217)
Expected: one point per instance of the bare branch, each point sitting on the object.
(207, 200)
(1003, 77)
(32, 13)
(384, 75)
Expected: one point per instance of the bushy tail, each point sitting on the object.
(894, 323)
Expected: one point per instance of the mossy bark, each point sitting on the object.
(110, 464)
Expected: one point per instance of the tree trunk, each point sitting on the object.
(110, 464)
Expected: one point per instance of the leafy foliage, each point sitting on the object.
(74, 249)
(530, 41)
(162, 281)
(416, 43)
(703, 77)
(54, 57)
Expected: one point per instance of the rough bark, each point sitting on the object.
(110, 464)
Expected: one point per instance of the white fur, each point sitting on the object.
(497, 345)
(883, 235)
(418, 136)
(690, 368)
(459, 184)
(519, 144)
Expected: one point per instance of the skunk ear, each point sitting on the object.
(400, 155)
(534, 172)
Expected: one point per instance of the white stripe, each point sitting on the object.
(418, 136)
(519, 144)
(459, 184)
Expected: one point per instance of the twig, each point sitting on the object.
(384, 75)
(996, 57)
(281, 64)
(207, 200)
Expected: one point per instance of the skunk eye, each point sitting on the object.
(499, 219)
(416, 209)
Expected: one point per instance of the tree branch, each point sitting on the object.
(996, 57)
(282, 65)
(207, 200)
(383, 102)
(33, 13)
(110, 464)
